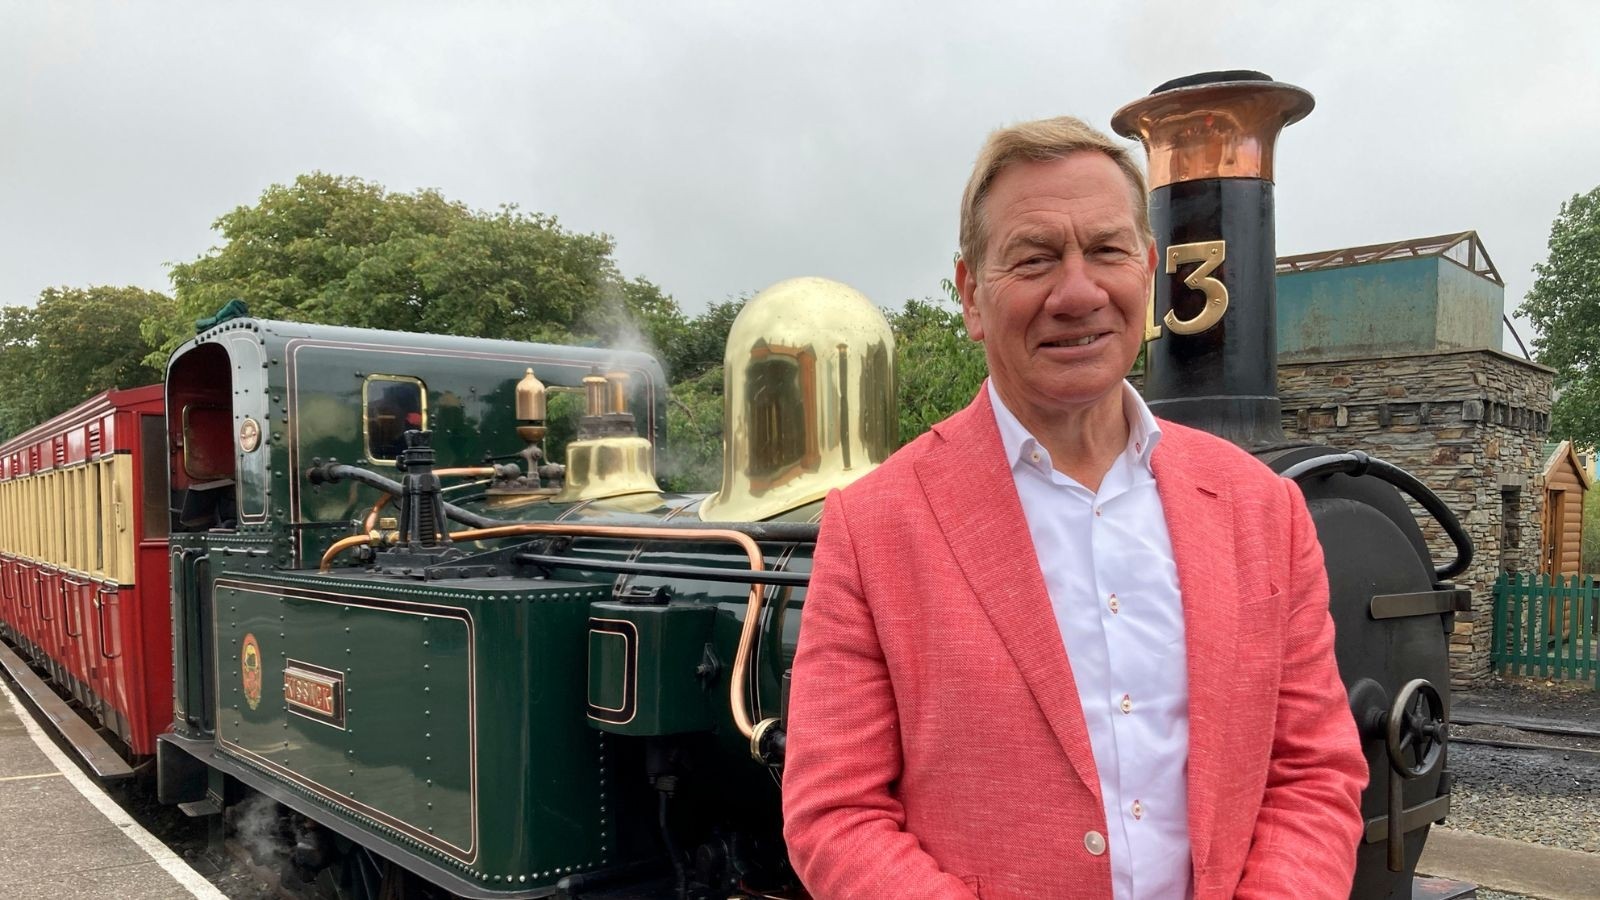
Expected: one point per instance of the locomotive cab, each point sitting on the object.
(203, 469)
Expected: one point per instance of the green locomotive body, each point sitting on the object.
(500, 715)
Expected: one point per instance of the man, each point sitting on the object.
(1057, 647)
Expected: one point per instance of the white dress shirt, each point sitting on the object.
(1107, 563)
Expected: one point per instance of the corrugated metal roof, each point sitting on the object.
(1463, 248)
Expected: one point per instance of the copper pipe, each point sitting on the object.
(371, 521)
(341, 545)
(479, 471)
(752, 613)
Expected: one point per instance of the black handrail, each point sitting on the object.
(700, 573)
(766, 532)
(1356, 463)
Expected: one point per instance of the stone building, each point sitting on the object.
(1394, 349)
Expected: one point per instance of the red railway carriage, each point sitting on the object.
(84, 512)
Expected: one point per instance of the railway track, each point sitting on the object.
(1524, 779)
(1523, 733)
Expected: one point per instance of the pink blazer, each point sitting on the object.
(937, 748)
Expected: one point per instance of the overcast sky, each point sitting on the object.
(728, 146)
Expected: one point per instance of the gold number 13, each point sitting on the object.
(1209, 254)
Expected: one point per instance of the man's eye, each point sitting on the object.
(1034, 262)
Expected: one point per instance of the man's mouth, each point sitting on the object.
(1084, 341)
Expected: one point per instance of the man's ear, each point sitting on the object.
(967, 284)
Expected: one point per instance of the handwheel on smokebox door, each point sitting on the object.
(1417, 726)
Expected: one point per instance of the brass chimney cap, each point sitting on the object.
(1212, 125)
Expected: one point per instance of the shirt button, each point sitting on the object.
(1097, 511)
(1127, 704)
(1094, 842)
(1113, 604)
(1034, 456)
(1138, 810)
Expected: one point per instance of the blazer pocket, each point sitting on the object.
(1264, 613)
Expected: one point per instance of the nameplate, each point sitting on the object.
(314, 692)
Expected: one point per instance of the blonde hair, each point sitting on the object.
(1040, 140)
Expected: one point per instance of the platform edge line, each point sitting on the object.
(174, 865)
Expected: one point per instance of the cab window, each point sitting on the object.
(393, 405)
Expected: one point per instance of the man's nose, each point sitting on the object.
(1075, 292)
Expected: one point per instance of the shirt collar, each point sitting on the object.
(1144, 432)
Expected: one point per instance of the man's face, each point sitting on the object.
(1059, 297)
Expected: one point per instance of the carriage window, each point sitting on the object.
(153, 476)
(394, 404)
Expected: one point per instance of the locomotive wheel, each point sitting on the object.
(363, 875)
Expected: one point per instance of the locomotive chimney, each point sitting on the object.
(1211, 357)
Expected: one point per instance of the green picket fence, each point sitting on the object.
(1546, 626)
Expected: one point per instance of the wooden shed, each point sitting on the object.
(1566, 481)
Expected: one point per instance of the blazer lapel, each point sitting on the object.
(1200, 521)
(971, 492)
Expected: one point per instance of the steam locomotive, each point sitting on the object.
(462, 668)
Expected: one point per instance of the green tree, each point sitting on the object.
(336, 249)
(1564, 304)
(692, 460)
(704, 340)
(1590, 548)
(69, 346)
(938, 367)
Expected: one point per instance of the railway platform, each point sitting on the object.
(1516, 867)
(63, 838)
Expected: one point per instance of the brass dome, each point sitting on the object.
(809, 398)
